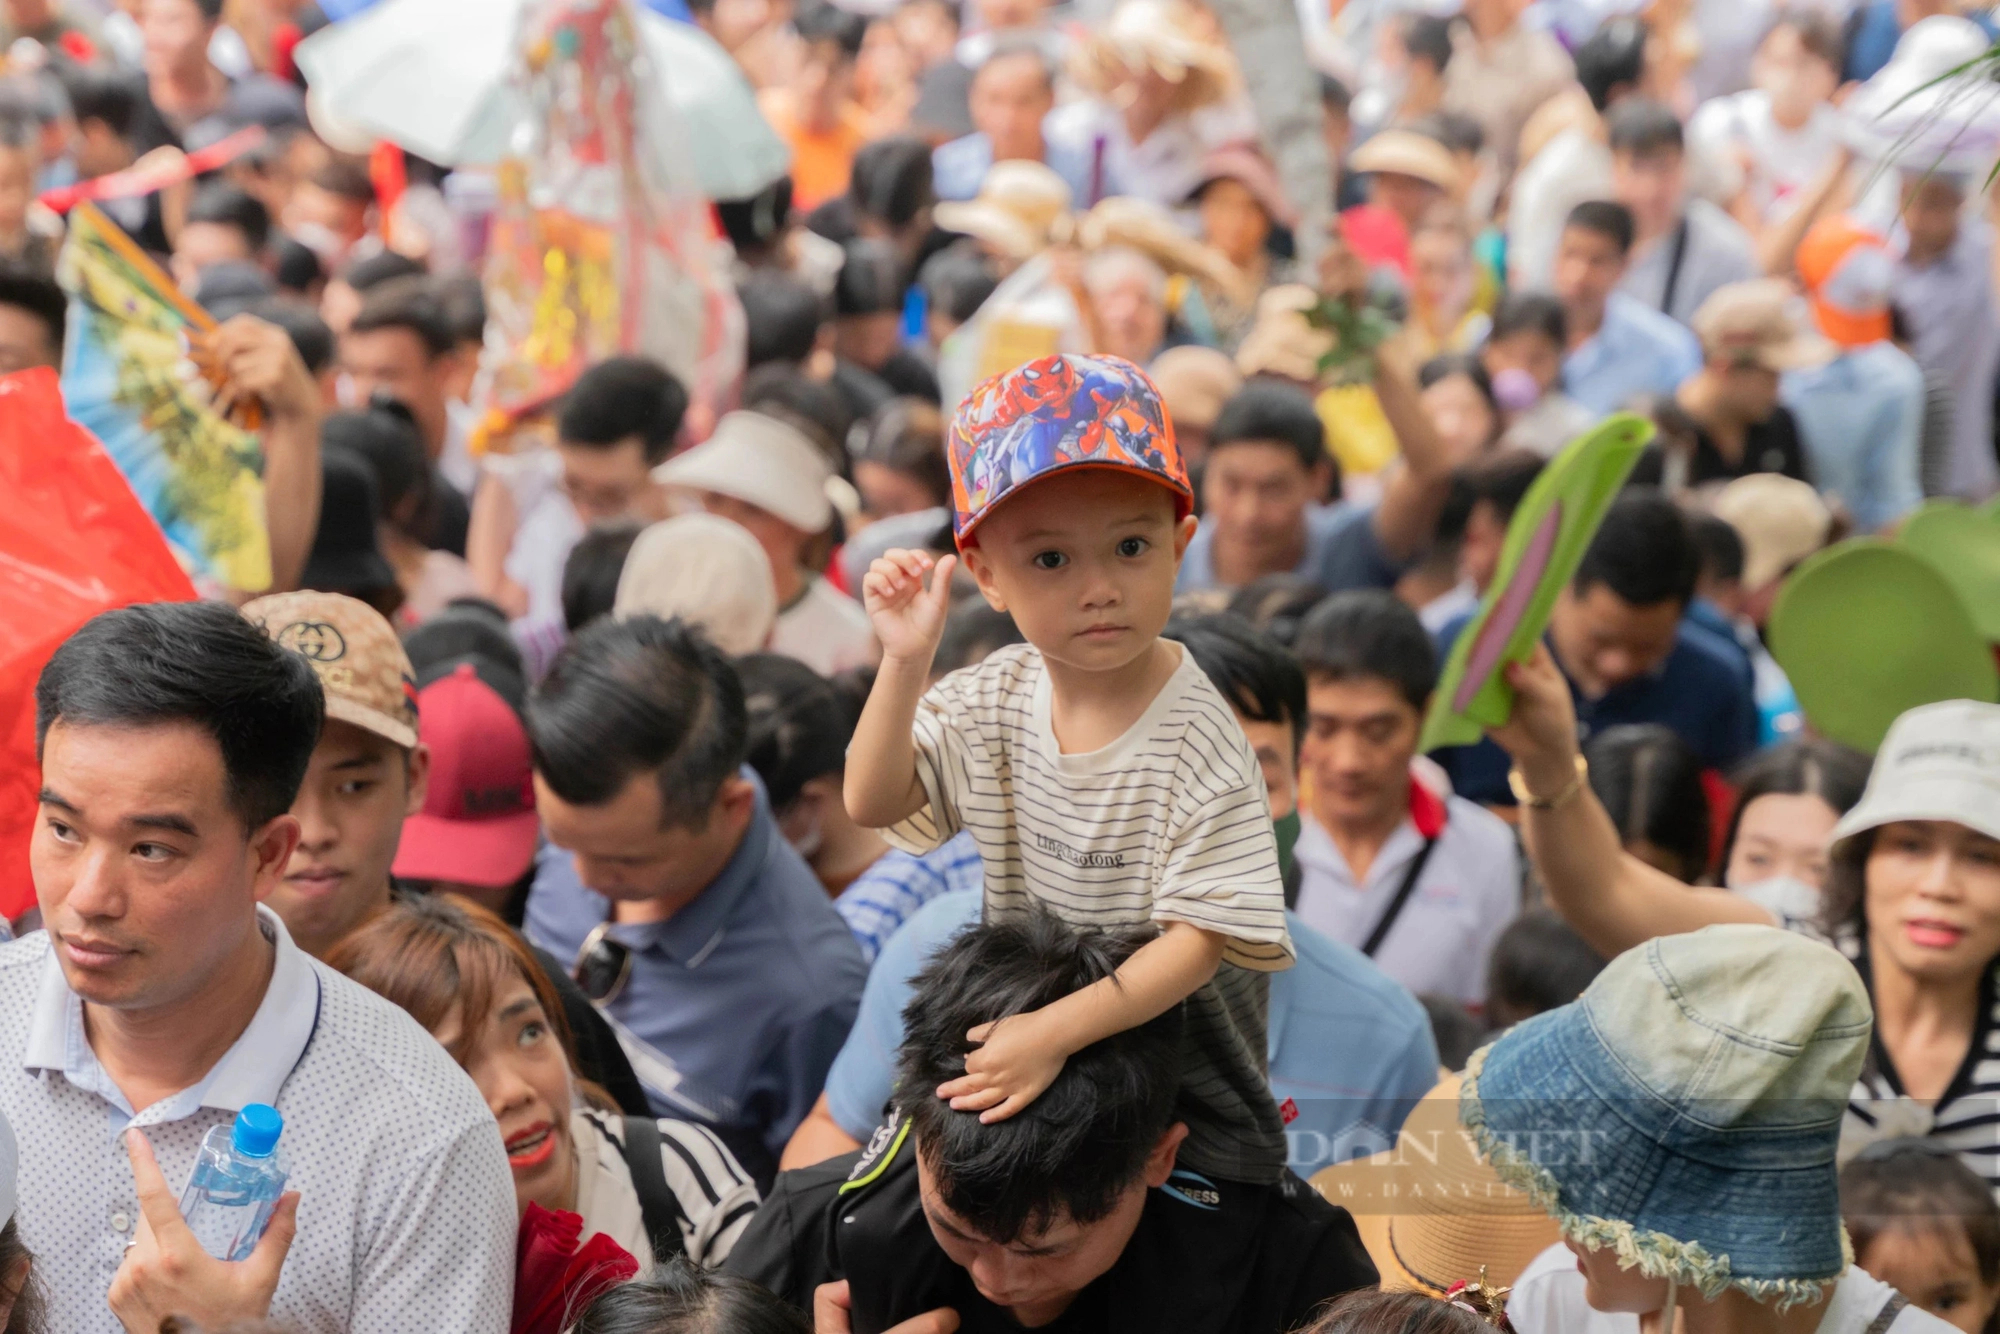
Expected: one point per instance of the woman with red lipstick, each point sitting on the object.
(464, 975)
(1912, 897)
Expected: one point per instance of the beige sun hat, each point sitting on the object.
(1407, 153)
(1142, 225)
(1016, 211)
(1761, 322)
(1171, 38)
(1431, 1212)
(707, 571)
(1780, 519)
(762, 461)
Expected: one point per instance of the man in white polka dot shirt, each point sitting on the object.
(164, 996)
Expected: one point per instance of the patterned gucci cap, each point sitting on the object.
(360, 662)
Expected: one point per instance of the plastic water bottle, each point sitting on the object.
(236, 1182)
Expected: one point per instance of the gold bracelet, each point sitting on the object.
(1534, 803)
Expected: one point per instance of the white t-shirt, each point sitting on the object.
(716, 1196)
(1469, 890)
(1784, 165)
(1169, 823)
(826, 630)
(1548, 1299)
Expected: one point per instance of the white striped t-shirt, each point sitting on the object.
(1169, 823)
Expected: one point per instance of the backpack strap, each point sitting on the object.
(658, 1205)
(1887, 1315)
(1395, 908)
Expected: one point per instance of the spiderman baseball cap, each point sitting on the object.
(1052, 415)
(478, 824)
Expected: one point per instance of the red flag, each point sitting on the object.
(74, 541)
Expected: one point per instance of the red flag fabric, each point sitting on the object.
(74, 541)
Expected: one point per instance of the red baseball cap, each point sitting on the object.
(478, 824)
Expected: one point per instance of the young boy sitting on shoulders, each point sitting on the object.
(1097, 768)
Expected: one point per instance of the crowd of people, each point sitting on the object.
(940, 839)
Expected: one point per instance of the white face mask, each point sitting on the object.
(1785, 898)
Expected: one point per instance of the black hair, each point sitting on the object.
(755, 221)
(1443, 367)
(1082, 1144)
(199, 663)
(1808, 766)
(1538, 964)
(1455, 130)
(211, 10)
(1369, 632)
(1642, 551)
(682, 1298)
(1644, 128)
(227, 205)
(628, 696)
(1818, 34)
(1271, 411)
(468, 627)
(346, 178)
(1277, 603)
(781, 318)
(1502, 479)
(1252, 670)
(871, 279)
(384, 266)
(956, 282)
(907, 435)
(1649, 782)
(1920, 1186)
(463, 297)
(1720, 547)
(102, 94)
(973, 631)
(1015, 46)
(29, 289)
(1530, 312)
(1427, 37)
(591, 571)
(31, 1304)
(406, 303)
(620, 398)
(386, 437)
(800, 724)
(1607, 218)
(1612, 57)
(1334, 94)
(826, 22)
(782, 390)
(891, 179)
(1454, 1030)
(310, 336)
(295, 267)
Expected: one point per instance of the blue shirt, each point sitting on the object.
(1342, 552)
(959, 165)
(890, 892)
(1860, 416)
(1635, 351)
(1351, 1051)
(738, 1002)
(1701, 691)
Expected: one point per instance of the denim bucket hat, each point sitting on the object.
(1684, 1112)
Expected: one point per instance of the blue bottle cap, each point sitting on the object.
(257, 1129)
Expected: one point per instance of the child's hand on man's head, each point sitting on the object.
(1017, 1059)
(908, 618)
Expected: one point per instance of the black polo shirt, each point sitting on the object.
(1206, 1258)
(1772, 445)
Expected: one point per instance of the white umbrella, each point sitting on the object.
(431, 76)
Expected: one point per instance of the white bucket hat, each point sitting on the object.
(1939, 762)
(760, 461)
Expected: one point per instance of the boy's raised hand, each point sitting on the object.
(1016, 1061)
(908, 618)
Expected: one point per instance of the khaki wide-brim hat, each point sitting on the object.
(1432, 1213)
(1407, 153)
(1016, 211)
(1761, 322)
(1174, 39)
